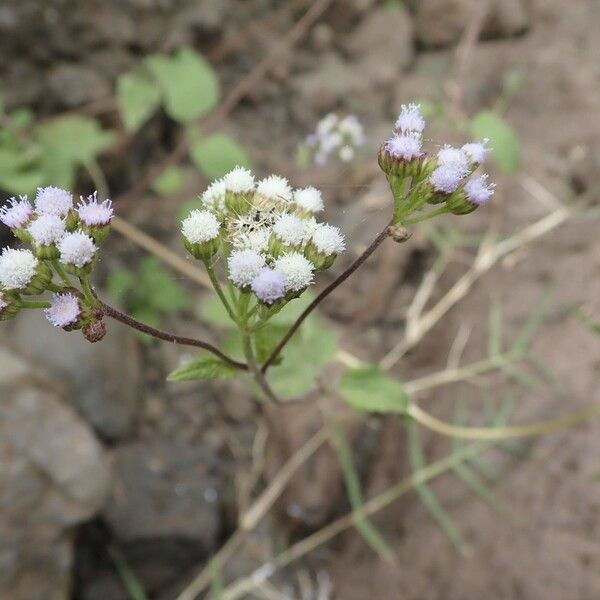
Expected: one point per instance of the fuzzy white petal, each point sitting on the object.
(17, 268)
(199, 227)
(297, 269)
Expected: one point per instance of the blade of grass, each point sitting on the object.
(466, 474)
(495, 330)
(520, 376)
(537, 316)
(428, 498)
(355, 497)
(129, 579)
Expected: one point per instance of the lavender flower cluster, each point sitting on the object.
(335, 136)
(444, 178)
(63, 239)
(266, 232)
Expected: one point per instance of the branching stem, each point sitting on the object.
(169, 337)
(330, 288)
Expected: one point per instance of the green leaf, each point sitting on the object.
(203, 368)
(188, 83)
(311, 347)
(138, 98)
(68, 143)
(159, 289)
(169, 182)
(119, 282)
(369, 389)
(217, 155)
(503, 139)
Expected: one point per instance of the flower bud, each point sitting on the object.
(201, 234)
(399, 156)
(77, 252)
(45, 232)
(239, 190)
(325, 244)
(9, 306)
(17, 215)
(94, 331)
(22, 272)
(65, 311)
(94, 217)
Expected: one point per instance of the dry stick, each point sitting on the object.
(372, 506)
(233, 98)
(168, 337)
(330, 288)
(485, 260)
(161, 251)
(255, 513)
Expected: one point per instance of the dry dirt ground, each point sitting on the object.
(548, 548)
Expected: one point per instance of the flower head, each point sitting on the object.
(213, 197)
(351, 128)
(446, 179)
(93, 213)
(297, 269)
(275, 187)
(477, 151)
(77, 249)
(410, 119)
(3, 302)
(199, 227)
(328, 240)
(64, 310)
(289, 229)
(47, 229)
(53, 200)
(269, 285)
(17, 213)
(309, 198)
(453, 157)
(239, 181)
(244, 266)
(478, 191)
(17, 268)
(404, 147)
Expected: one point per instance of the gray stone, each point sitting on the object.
(382, 44)
(104, 377)
(163, 491)
(53, 475)
(441, 22)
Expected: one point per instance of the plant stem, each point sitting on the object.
(330, 288)
(500, 433)
(34, 304)
(254, 368)
(432, 213)
(87, 290)
(61, 272)
(169, 337)
(219, 290)
(55, 288)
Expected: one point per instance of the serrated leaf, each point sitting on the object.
(308, 351)
(138, 97)
(218, 154)
(203, 368)
(169, 182)
(188, 83)
(368, 388)
(68, 143)
(504, 141)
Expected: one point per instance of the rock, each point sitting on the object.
(440, 23)
(333, 80)
(163, 491)
(104, 377)
(53, 475)
(382, 44)
(74, 85)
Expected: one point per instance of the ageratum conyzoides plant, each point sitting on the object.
(262, 244)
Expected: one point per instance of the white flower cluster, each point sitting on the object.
(402, 156)
(58, 229)
(335, 136)
(265, 230)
